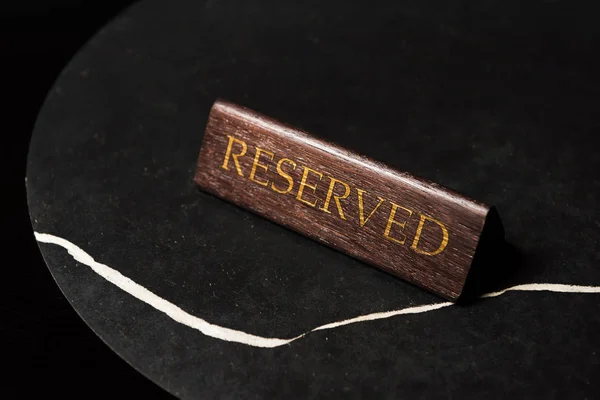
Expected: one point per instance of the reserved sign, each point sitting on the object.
(409, 227)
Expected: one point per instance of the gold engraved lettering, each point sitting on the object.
(256, 164)
(418, 237)
(361, 209)
(391, 222)
(337, 198)
(284, 175)
(304, 184)
(228, 154)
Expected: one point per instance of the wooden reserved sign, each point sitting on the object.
(409, 227)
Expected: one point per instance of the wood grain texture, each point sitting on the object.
(406, 226)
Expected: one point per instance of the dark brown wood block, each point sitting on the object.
(409, 227)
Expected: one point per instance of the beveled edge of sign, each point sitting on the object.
(490, 260)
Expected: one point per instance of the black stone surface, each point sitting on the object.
(497, 100)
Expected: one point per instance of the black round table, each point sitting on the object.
(497, 100)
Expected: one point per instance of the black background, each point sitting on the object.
(53, 348)
(42, 334)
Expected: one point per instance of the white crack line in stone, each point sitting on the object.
(232, 335)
